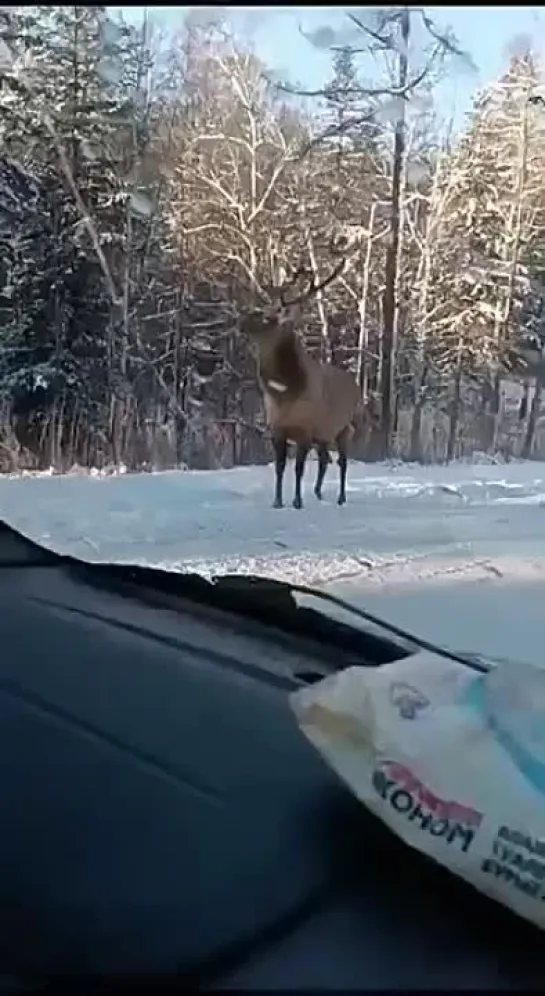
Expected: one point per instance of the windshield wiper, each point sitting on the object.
(470, 660)
(265, 600)
(273, 602)
(409, 641)
(262, 600)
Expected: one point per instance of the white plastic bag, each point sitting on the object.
(453, 761)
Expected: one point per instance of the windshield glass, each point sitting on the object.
(225, 292)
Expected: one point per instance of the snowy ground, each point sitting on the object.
(415, 544)
(399, 521)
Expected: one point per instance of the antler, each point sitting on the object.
(313, 288)
(301, 271)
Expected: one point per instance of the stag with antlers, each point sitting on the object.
(306, 402)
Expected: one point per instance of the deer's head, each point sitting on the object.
(268, 324)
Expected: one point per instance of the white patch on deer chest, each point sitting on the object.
(277, 386)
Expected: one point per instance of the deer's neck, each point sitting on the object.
(282, 368)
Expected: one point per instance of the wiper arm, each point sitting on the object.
(417, 642)
(409, 641)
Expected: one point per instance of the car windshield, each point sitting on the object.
(208, 269)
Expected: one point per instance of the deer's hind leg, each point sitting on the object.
(342, 447)
(323, 460)
(280, 444)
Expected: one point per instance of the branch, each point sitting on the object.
(331, 93)
(269, 188)
(384, 43)
(445, 41)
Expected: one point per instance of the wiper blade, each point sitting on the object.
(474, 661)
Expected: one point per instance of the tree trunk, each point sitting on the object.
(528, 444)
(523, 406)
(388, 346)
(415, 445)
(362, 363)
(512, 241)
(456, 405)
(494, 407)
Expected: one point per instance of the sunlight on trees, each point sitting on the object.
(202, 182)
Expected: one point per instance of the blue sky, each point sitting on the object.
(487, 33)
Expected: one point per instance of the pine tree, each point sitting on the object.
(69, 307)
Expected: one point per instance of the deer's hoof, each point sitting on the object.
(341, 500)
(297, 503)
(278, 503)
(318, 494)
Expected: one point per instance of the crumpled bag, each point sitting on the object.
(451, 760)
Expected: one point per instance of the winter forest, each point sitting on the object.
(178, 178)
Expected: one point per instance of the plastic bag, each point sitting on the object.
(451, 760)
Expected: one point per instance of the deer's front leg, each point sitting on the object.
(280, 444)
(300, 459)
(342, 444)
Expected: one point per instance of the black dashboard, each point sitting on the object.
(163, 817)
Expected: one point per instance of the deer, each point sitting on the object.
(307, 402)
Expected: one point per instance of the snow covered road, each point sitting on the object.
(400, 522)
(456, 554)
